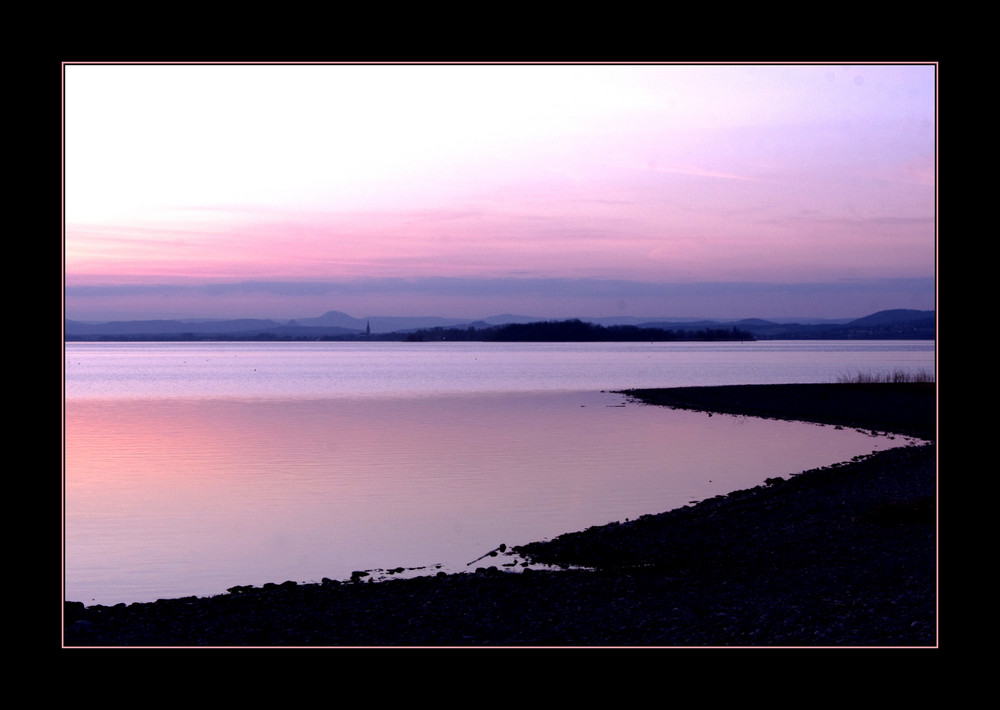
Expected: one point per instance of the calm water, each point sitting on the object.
(191, 468)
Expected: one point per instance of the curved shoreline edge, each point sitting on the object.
(907, 408)
(839, 556)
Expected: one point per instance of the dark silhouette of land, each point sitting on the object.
(904, 408)
(884, 325)
(577, 331)
(844, 555)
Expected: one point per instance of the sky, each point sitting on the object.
(471, 190)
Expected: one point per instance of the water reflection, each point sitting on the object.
(171, 497)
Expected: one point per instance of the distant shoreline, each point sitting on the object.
(899, 324)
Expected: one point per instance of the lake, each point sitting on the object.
(194, 467)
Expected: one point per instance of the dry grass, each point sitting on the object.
(897, 376)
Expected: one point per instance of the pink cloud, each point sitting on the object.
(653, 173)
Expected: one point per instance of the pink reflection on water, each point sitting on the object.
(173, 497)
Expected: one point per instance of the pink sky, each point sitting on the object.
(285, 191)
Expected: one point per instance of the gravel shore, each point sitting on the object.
(839, 556)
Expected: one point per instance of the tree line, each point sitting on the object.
(576, 331)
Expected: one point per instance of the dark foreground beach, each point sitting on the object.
(839, 556)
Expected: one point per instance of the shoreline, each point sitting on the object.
(908, 409)
(839, 556)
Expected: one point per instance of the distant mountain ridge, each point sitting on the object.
(882, 325)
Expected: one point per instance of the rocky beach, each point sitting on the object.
(841, 556)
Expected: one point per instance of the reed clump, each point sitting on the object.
(896, 376)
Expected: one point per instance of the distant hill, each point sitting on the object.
(898, 324)
(334, 325)
(893, 317)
